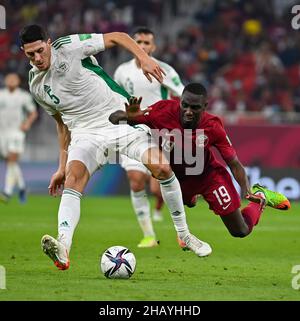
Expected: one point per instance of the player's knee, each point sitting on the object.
(75, 181)
(71, 179)
(161, 171)
(137, 186)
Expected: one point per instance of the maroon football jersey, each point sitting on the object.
(185, 148)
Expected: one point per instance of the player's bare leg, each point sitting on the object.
(13, 177)
(155, 190)
(171, 192)
(141, 206)
(58, 249)
(241, 222)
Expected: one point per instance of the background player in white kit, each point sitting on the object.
(17, 114)
(129, 75)
(69, 84)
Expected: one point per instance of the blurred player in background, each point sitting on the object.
(17, 114)
(129, 75)
(68, 83)
(213, 182)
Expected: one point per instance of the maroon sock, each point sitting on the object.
(251, 214)
(159, 203)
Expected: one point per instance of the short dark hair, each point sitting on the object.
(144, 30)
(196, 88)
(32, 33)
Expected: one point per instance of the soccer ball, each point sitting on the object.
(117, 262)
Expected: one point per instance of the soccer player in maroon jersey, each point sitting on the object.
(204, 131)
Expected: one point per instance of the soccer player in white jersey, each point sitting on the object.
(129, 75)
(17, 114)
(69, 84)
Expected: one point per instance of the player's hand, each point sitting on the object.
(133, 108)
(56, 185)
(151, 67)
(24, 127)
(256, 199)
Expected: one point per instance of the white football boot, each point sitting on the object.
(190, 242)
(56, 251)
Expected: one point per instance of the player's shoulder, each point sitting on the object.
(23, 92)
(3, 91)
(211, 120)
(63, 42)
(166, 106)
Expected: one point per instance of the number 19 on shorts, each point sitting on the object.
(222, 196)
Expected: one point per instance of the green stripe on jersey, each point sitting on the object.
(61, 39)
(31, 75)
(59, 44)
(88, 64)
(163, 92)
(84, 36)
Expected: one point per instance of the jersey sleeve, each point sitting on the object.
(81, 45)
(222, 142)
(172, 80)
(49, 109)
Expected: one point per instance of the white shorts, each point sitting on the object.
(12, 142)
(132, 165)
(95, 150)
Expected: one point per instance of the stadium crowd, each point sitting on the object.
(246, 52)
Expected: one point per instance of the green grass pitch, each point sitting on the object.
(257, 267)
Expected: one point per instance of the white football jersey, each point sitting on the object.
(132, 79)
(13, 109)
(76, 86)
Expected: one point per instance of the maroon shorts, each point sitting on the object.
(216, 188)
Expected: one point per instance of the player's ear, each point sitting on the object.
(49, 41)
(153, 48)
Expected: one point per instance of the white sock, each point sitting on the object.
(10, 178)
(171, 193)
(141, 208)
(19, 177)
(68, 216)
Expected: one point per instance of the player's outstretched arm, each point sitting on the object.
(149, 66)
(239, 173)
(133, 112)
(58, 178)
(240, 176)
(27, 123)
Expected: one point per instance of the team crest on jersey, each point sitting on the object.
(201, 140)
(63, 67)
